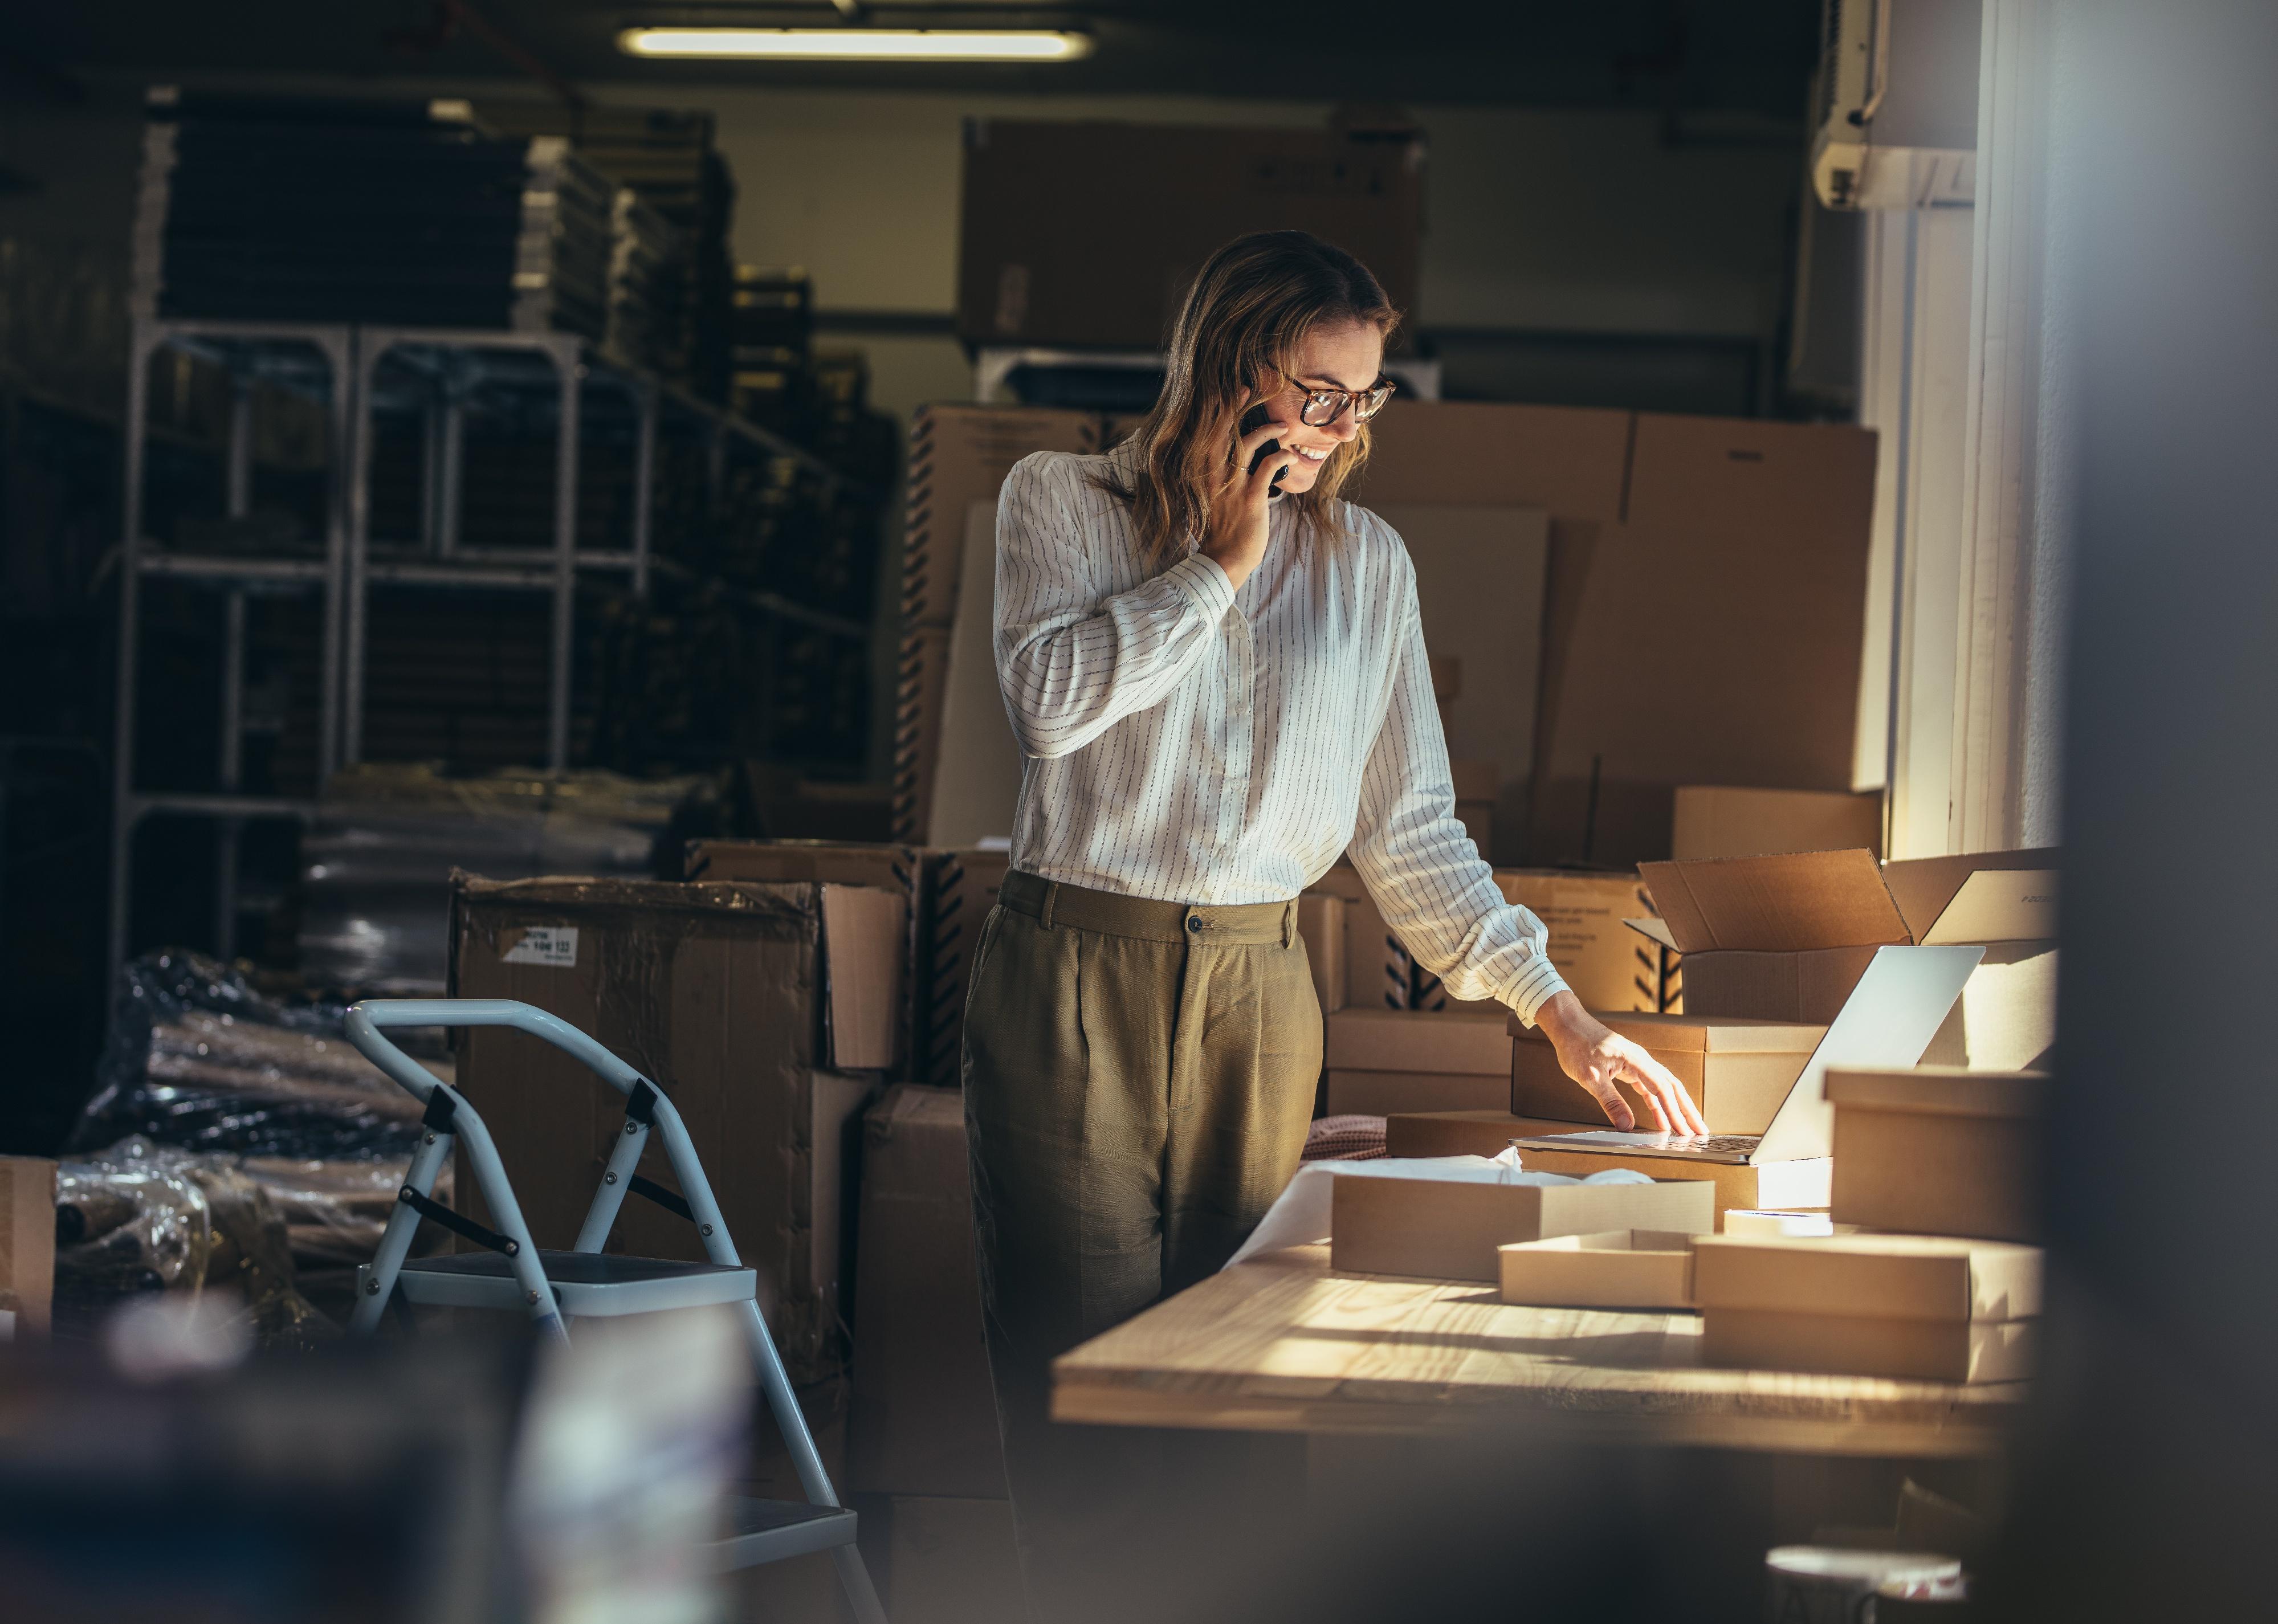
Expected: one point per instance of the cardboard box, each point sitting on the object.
(1869, 1305)
(977, 760)
(947, 1561)
(1382, 1093)
(892, 869)
(28, 1245)
(959, 454)
(1446, 1229)
(727, 996)
(2007, 1020)
(1472, 1044)
(1801, 1183)
(1379, 973)
(921, 690)
(1608, 965)
(924, 1415)
(1870, 1276)
(1787, 937)
(1737, 1070)
(1137, 207)
(1480, 574)
(1461, 1134)
(1899, 1350)
(1714, 821)
(1612, 1269)
(1939, 1151)
(1321, 925)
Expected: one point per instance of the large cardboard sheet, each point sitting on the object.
(977, 781)
(1479, 574)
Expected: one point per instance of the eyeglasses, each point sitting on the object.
(1324, 407)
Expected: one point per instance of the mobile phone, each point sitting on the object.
(1257, 417)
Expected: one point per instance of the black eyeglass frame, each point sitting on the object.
(1374, 398)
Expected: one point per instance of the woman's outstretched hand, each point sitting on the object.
(1598, 1059)
(1235, 537)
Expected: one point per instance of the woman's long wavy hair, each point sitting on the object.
(1249, 309)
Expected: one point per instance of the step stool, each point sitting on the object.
(552, 1288)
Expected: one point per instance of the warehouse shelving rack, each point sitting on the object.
(360, 372)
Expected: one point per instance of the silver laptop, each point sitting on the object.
(1888, 1021)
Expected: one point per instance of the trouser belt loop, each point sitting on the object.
(1289, 923)
(1051, 896)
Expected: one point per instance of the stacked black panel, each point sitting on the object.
(393, 214)
(667, 160)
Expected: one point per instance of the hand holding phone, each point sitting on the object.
(1256, 418)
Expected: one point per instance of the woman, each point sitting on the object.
(1217, 674)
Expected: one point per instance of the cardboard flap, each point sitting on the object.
(862, 932)
(2000, 904)
(1791, 903)
(1927, 889)
(1653, 930)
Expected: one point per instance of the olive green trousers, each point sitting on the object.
(1138, 1078)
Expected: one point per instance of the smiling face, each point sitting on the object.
(1349, 355)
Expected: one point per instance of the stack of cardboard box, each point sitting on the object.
(1946, 1165)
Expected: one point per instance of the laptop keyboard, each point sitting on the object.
(1715, 1144)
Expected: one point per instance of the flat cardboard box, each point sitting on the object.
(924, 1415)
(1138, 207)
(1900, 1350)
(1786, 1185)
(1444, 1229)
(27, 1243)
(1607, 964)
(1717, 821)
(1938, 1150)
(1611, 1269)
(1363, 1040)
(1380, 1094)
(1321, 926)
(1869, 1277)
(718, 992)
(1738, 1071)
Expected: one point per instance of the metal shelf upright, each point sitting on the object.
(316, 360)
(445, 374)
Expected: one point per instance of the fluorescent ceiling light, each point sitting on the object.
(858, 44)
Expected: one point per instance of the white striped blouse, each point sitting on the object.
(1189, 743)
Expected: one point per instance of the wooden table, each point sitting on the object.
(1284, 1344)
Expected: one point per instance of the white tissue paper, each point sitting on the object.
(1300, 1214)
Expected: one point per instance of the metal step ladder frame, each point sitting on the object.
(768, 1531)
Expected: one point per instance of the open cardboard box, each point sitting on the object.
(1737, 1070)
(1791, 1185)
(1901, 996)
(1938, 1150)
(1786, 937)
(1899, 1306)
(1446, 1229)
(1611, 1269)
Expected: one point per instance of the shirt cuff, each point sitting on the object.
(1537, 985)
(1203, 584)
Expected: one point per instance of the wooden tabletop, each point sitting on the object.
(1285, 1344)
